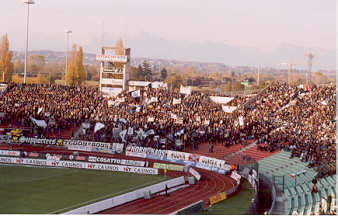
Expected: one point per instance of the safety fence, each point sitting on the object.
(127, 197)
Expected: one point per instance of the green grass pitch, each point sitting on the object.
(55, 190)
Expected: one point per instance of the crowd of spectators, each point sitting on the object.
(296, 119)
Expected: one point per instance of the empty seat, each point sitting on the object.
(302, 199)
(316, 197)
(301, 210)
(293, 191)
(295, 203)
(288, 206)
(309, 199)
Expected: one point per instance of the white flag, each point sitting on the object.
(98, 126)
(39, 110)
(136, 94)
(130, 131)
(240, 119)
(206, 122)
(229, 109)
(176, 101)
(152, 100)
(123, 134)
(86, 125)
(185, 90)
(174, 116)
(39, 123)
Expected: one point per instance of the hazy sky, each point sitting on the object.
(258, 23)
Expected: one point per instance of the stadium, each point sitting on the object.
(161, 146)
(167, 166)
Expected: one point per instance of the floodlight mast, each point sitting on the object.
(28, 2)
(67, 44)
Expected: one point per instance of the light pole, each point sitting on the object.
(67, 40)
(28, 2)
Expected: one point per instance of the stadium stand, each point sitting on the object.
(295, 179)
(290, 130)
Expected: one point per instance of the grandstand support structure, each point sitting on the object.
(114, 70)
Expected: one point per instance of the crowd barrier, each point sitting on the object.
(128, 197)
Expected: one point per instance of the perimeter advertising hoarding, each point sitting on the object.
(79, 165)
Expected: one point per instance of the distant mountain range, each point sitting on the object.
(150, 46)
(145, 45)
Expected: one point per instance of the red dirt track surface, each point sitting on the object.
(210, 184)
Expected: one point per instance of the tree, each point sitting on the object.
(6, 65)
(93, 72)
(41, 79)
(80, 74)
(237, 86)
(36, 64)
(120, 47)
(70, 75)
(147, 73)
(319, 78)
(164, 73)
(18, 66)
(54, 71)
(175, 80)
(139, 73)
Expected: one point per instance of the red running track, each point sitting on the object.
(210, 184)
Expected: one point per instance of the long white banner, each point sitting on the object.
(79, 165)
(143, 151)
(200, 160)
(115, 161)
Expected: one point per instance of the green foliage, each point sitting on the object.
(235, 205)
(139, 72)
(164, 73)
(147, 73)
